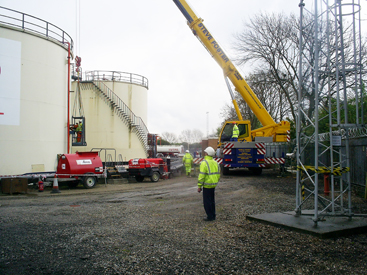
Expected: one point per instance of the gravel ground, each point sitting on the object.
(158, 228)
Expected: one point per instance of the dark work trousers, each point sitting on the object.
(209, 202)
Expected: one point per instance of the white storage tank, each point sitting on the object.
(33, 93)
(115, 110)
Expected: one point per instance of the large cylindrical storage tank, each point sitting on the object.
(102, 94)
(33, 95)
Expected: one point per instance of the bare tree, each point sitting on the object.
(229, 113)
(170, 137)
(197, 135)
(191, 136)
(268, 93)
(271, 42)
(268, 40)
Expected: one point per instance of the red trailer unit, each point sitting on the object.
(155, 168)
(81, 166)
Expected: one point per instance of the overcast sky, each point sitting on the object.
(151, 38)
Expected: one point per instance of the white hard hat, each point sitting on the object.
(210, 151)
(187, 151)
(80, 120)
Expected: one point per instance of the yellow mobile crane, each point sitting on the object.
(242, 153)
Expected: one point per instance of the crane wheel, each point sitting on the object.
(225, 171)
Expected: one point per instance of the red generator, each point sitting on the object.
(84, 167)
(154, 168)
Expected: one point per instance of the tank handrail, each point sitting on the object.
(119, 159)
(105, 152)
(49, 30)
(116, 76)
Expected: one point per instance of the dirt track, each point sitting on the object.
(157, 228)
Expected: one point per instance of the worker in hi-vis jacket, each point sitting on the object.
(187, 160)
(79, 130)
(235, 132)
(207, 181)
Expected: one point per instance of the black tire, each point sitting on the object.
(139, 178)
(155, 177)
(256, 171)
(225, 171)
(89, 182)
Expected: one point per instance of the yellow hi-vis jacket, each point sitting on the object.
(235, 132)
(80, 127)
(187, 159)
(209, 173)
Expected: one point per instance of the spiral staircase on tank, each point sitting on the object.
(134, 122)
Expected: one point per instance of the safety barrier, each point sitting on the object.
(325, 170)
(275, 160)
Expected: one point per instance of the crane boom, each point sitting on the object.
(270, 127)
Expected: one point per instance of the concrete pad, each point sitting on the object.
(328, 227)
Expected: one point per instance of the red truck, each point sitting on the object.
(154, 168)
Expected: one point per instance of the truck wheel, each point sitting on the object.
(256, 171)
(89, 182)
(139, 178)
(225, 171)
(155, 177)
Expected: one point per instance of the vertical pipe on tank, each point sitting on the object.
(68, 113)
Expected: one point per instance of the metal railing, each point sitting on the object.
(116, 76)
(31, 24)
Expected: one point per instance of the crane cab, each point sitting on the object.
(244, 127)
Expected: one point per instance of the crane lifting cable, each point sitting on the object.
(77, 128)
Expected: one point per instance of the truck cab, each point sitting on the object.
(226, 132)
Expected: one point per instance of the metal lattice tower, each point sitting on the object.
(330, 73)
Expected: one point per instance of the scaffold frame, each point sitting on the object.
(330, 72)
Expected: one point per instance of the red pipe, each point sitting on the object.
(326, 184)
(68, 124)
